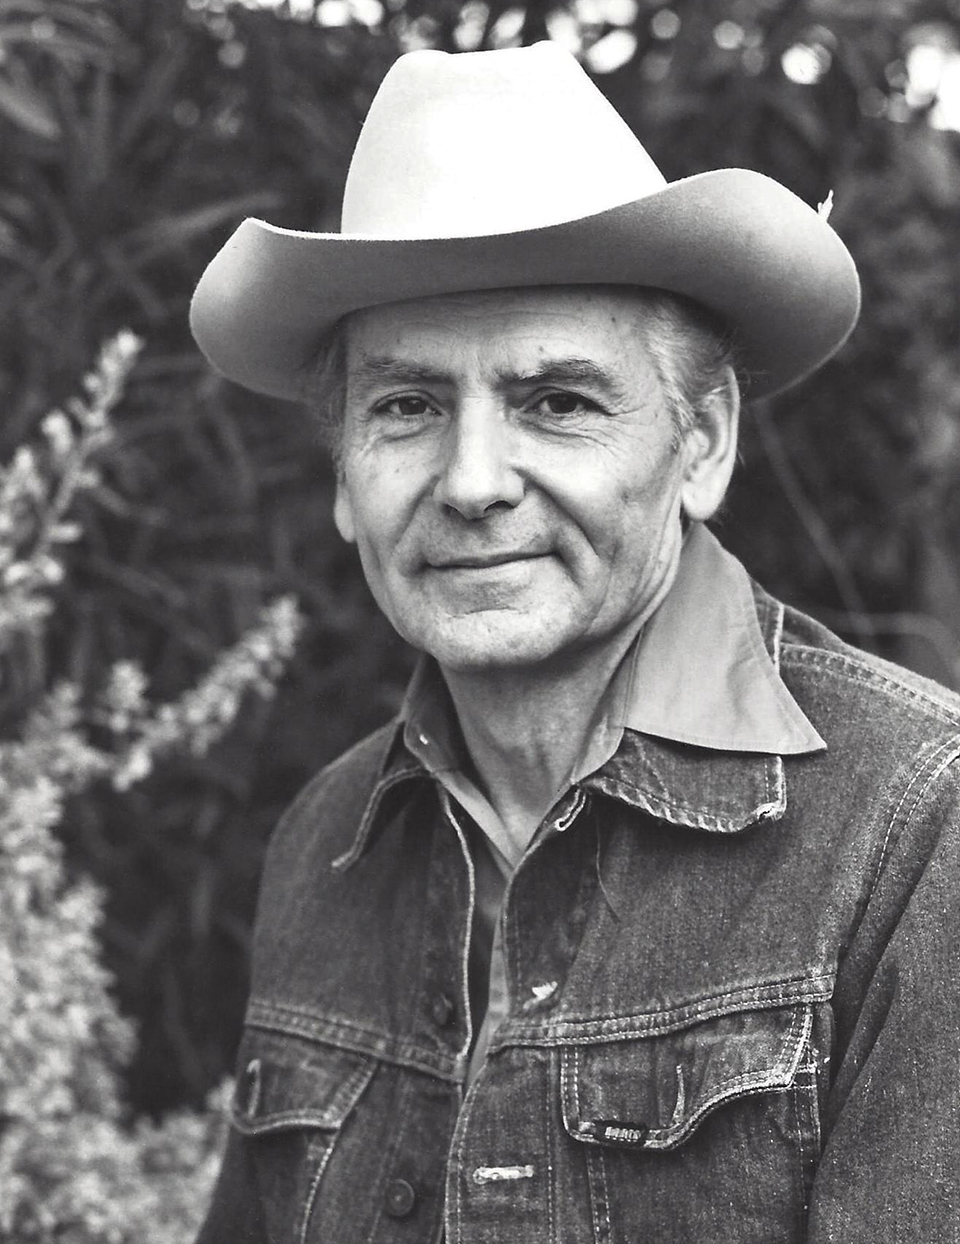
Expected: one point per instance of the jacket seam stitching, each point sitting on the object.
(389, 1049)
(779, 1072)
(551, 1148)
(460, 1173)
(749, 1082)
(935, 767)
(726, 822)
(712, 1005)
(307, 1212)
(804, 656)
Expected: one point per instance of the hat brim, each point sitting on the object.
(733, 240)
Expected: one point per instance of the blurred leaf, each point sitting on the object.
(155, 95)
(934, 159)
(178, 228)
(25, 106)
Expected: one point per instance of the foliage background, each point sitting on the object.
(135, 134)
(77, 1166)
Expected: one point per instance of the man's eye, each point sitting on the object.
(407, 406)
(561, 403)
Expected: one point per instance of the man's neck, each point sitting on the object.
(525, 730)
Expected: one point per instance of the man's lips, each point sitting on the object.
(483, 561)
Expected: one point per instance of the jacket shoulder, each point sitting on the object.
(829, 676)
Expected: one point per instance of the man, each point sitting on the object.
(640, 922)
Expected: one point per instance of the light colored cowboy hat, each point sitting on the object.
(487, 170)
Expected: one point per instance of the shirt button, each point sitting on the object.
(441, 1010)
(400, 1199)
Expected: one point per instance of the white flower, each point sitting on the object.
(60, 436)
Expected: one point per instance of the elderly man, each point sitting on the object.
(640, 923)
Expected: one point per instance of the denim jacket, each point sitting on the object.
(733, 986)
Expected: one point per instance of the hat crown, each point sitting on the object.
(483, 143)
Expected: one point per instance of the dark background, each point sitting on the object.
(135, 134)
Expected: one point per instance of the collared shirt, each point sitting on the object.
(698, 673)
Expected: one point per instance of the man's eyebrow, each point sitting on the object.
(569, 370)
(559, 371)
(379, 367)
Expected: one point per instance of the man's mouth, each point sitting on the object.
(483, 561)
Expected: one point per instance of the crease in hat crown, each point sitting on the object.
(477, 144)
(484, 170)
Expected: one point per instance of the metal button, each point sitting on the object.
(441, 1010)
(400, 1199)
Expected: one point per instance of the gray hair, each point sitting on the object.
(691, 350)
(325, 388)
(692, 353)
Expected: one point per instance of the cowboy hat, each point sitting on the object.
(487, 170)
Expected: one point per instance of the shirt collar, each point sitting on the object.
(699, 673)
(702, 674)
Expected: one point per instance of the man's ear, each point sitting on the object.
(710, 447)
(343, 511)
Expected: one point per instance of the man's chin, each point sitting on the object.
(477, 648)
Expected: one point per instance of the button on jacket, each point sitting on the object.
(732, 993)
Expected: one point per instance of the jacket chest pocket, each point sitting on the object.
(292, 1099)
(709, 1132)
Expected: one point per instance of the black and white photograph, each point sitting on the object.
(480, 622)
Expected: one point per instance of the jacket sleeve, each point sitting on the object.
(890, 1165)
(235, 1215)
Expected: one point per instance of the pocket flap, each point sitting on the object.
(287, 1081)
(652, 1092)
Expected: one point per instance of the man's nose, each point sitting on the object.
(478, 472)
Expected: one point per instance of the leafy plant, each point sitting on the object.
(73, 1165)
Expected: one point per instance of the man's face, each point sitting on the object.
(509, 472)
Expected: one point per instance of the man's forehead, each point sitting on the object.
(547, 300)
(579, 325)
